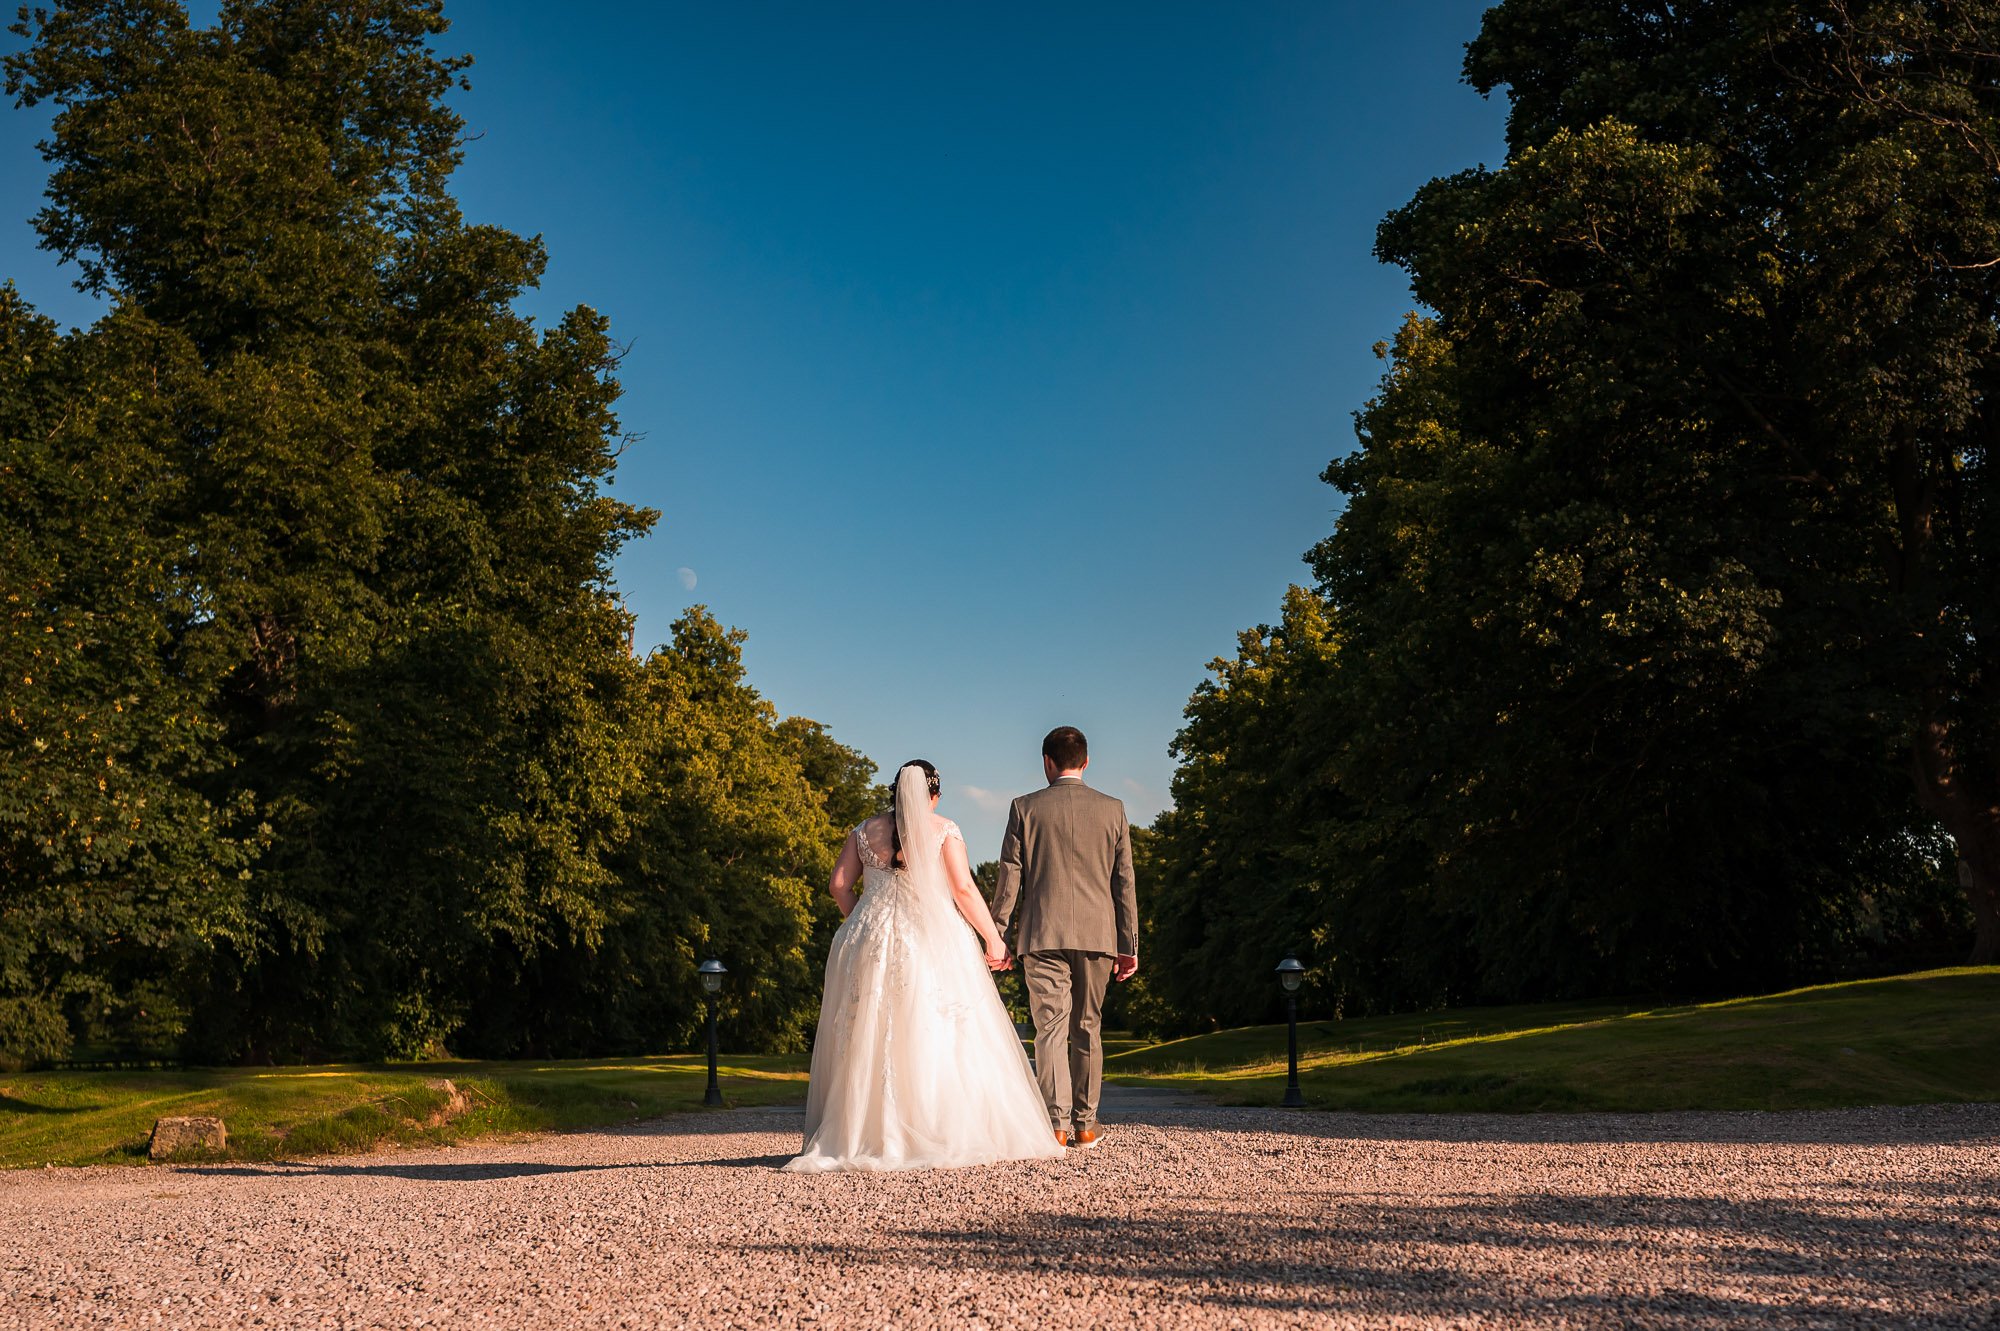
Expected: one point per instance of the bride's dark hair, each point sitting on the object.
(895, 827)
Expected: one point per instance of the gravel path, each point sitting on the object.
(1184, 1217)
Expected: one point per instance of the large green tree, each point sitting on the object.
(310, 559)
(1667, 559)
(1233, 878)
(732, 828)
(381, 485)
(1795, 294)
(120, 867)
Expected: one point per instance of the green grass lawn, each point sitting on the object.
(93, 1118)
(1912, 1039)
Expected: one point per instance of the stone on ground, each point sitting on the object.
(456, 1101)
(174, 1135)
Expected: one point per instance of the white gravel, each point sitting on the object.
(1184, 1217)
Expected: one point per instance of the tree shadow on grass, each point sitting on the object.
(14, 1105)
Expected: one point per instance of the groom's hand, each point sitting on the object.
(1126, 966)
(1004, 963)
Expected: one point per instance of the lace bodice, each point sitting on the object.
(873, 843)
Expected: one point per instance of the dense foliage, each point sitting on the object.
(1655, 647)
(323, 736)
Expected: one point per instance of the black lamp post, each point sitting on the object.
(711, 972)
(1290, 973)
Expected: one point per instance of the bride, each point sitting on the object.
(916, 1065)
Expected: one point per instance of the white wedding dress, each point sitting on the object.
(916, 1065)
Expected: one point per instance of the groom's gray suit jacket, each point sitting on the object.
(1067, 863)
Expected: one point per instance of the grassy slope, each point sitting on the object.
(1917, 1038)
(1929, 1037)
(81, 1118)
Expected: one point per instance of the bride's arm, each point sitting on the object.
(965, 895)
(841, 885)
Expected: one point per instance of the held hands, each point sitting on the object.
(996, 956)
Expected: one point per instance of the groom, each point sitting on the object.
(1067, 863)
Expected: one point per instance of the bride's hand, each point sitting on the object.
(996, 955)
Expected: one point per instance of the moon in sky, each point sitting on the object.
(686, 575)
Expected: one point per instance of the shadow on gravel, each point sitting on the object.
(1534, 1258)
(466, 1173)
(1890, 1125)
(469, 1172)
(1900, 1125)
(738, 1162)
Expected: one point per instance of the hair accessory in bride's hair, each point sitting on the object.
(931, 782)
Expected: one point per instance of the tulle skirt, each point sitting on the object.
(916, 1065)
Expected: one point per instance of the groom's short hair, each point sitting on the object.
(1066, 747)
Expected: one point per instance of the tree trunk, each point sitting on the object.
(1971, 816)
(1982, 887)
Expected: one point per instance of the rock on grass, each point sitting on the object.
(173, 1135)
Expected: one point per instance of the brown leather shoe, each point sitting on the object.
(1087, 1137)
(1062, 1138)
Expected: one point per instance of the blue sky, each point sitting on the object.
(986, 356)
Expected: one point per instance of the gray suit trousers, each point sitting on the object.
(1066, 999)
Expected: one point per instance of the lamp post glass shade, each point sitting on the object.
(1290, 973)
(711, 972)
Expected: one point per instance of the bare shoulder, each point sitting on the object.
(876, 832)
